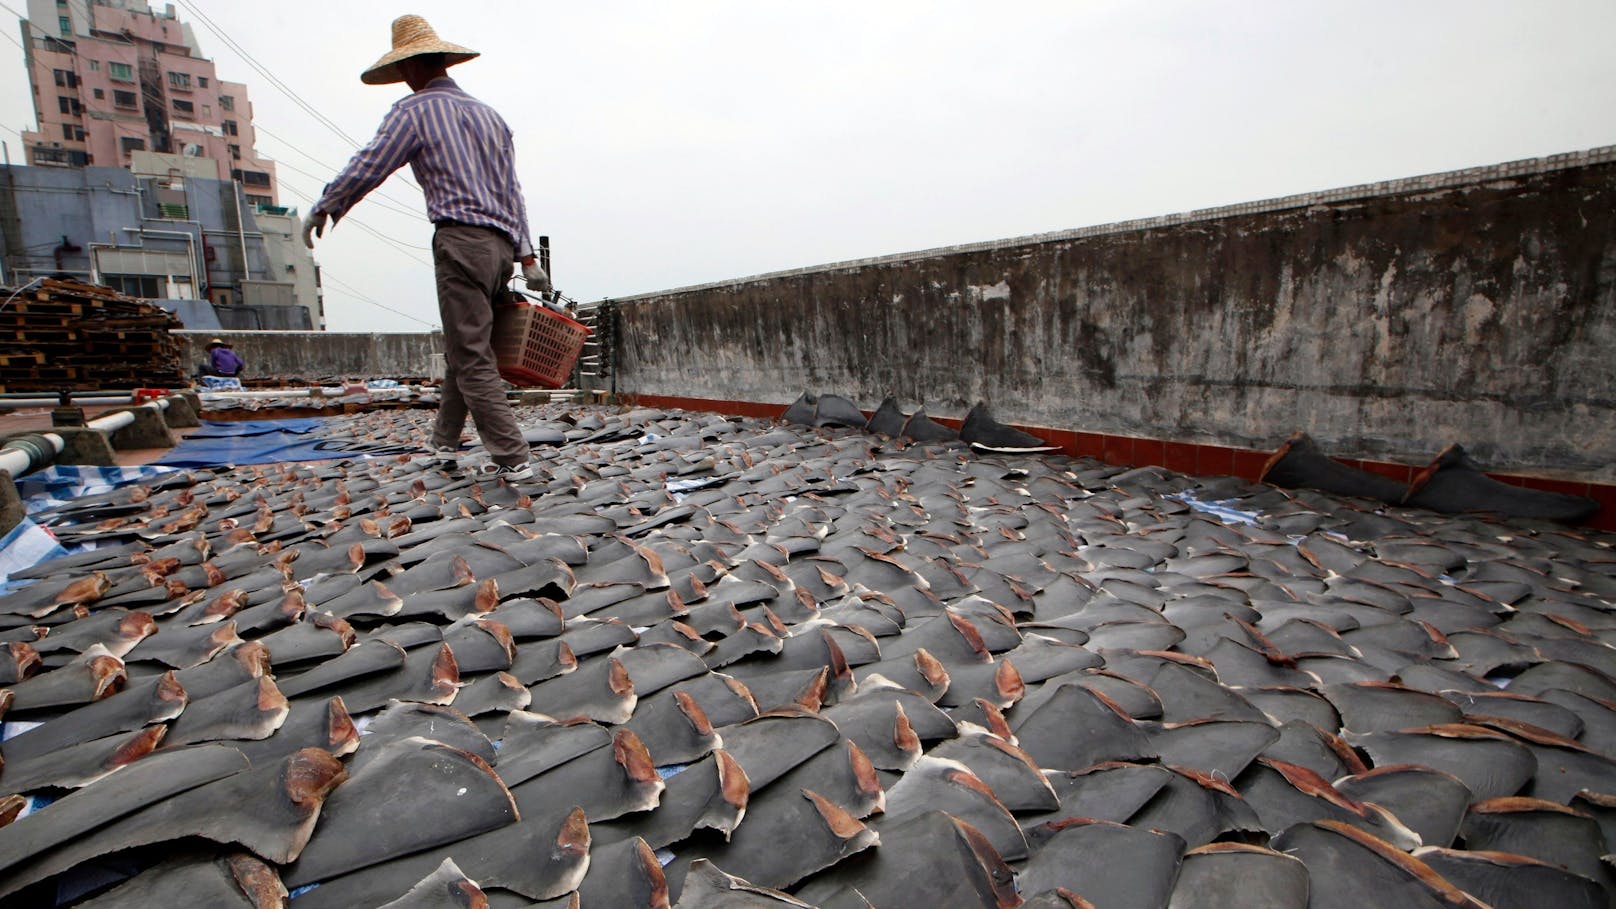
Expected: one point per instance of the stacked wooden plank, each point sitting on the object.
(64, 334)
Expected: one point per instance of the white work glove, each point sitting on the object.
(533, 274)
(314, 227)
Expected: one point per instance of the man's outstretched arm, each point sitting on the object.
(394, 145)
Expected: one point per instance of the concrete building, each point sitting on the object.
(194, 213)
(114, 82)
(165, 238)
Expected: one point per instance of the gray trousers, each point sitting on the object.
(473, 264)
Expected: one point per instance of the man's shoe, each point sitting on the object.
(508, 473)
(445, 457)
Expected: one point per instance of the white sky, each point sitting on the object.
(664, 143)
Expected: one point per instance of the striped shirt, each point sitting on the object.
(461, 153)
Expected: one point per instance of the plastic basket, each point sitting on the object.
(535, 346)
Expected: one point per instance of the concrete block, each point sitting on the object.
(148, 431)
(11, 510)
(181, 412)
(79, 446)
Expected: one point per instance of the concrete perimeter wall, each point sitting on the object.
(1387, 320)
(320, 355)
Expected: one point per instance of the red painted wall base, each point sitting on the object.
(1183, 457)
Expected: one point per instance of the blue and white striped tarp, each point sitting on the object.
(59, 483)
(28, 544)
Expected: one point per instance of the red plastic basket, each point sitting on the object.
(535, 346)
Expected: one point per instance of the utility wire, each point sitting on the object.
(265, 72)
(325, 275)
(252, 61)
(400, 245)
(406, 206)
(36, 28)
(153, 97)
(281, 163)
(275, 80)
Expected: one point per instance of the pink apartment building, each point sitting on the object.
(112, 79)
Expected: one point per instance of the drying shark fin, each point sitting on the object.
(801, 411)
(1299, 464)
(981, 431)
(887, 420)
(1453, 483)
(922, 428)
(835, 410)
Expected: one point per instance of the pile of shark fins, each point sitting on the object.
(1453, 483)
(979, 430)
(701, 661)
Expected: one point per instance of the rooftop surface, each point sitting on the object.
(710, 661)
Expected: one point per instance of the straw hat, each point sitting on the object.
(217, 343)
(412, 36)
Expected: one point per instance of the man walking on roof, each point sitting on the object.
(460, 151)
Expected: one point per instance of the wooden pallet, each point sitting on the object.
(68, 334)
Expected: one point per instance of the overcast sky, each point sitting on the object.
(663, 144)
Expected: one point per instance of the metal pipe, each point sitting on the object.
(246, 271)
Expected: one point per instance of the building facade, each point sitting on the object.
(166, 238)
(143, 173)
(112, 81)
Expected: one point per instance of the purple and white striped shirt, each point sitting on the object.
(461, 153)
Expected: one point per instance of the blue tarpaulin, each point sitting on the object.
(222, 443)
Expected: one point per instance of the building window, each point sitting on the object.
(251, 177)
(60, 157)
(235, 153)
(207, 111)
(179, 80)
(95, 66)
(201, 81)
(100, 95)
(227, 102)
(258, 201)
(120, 72)
(125, 100)
(66, 78)
(134, 285)
(64, 103)
(184, 106)
(131, 144)
(229, 128)
(65, 24)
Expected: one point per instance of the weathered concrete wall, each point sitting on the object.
(323, 355)
(1386, 320)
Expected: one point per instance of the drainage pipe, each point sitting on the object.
(26, 453)
(334, 391)
(35, 450)
(54, 401)
(330, 391)
(113, 422)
